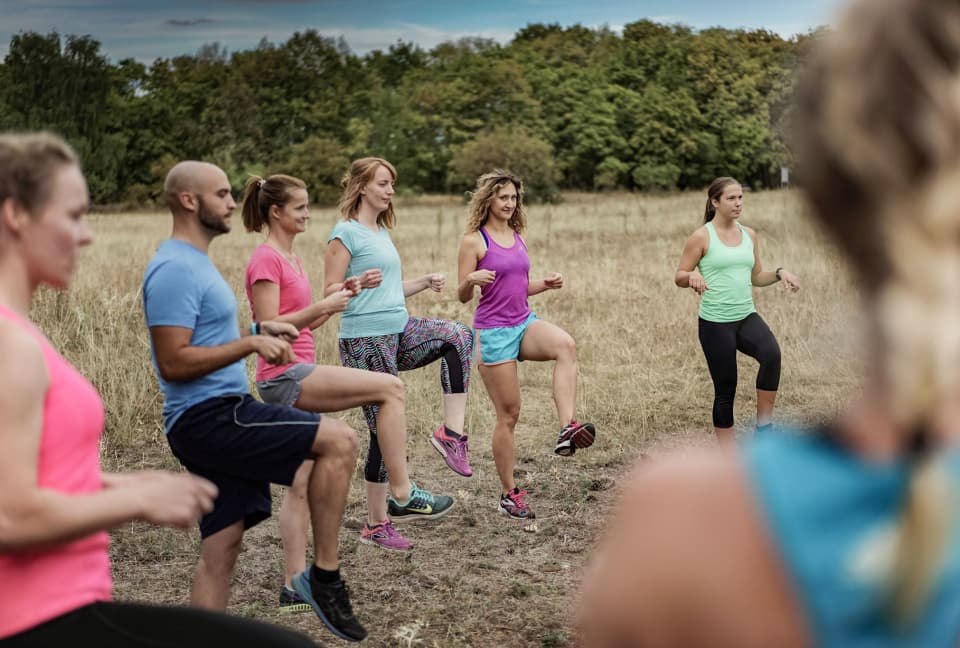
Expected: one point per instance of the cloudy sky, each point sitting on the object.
(148, 29)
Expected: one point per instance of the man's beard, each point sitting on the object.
(217, 225)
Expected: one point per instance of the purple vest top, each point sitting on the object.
(504, 302)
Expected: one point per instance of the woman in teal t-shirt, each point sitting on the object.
(721, 263)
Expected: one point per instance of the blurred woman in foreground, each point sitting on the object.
(848, 535)
(56, 505)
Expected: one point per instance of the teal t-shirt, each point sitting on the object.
(833, 517)
(377, 311)
(727, 271)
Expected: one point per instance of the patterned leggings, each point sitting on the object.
(422, 342)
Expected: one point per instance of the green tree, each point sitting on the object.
(528, 156)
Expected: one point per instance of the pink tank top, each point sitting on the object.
(504, 302)
(36, 586)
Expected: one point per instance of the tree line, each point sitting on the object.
(657, 107)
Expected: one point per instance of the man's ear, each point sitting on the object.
(187, 200)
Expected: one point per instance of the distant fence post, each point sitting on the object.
(784, 176)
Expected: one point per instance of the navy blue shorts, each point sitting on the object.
(242, 446)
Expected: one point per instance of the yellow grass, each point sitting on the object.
(478, 579)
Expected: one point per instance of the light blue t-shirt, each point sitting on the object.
(833, 518)
(182, 287)
(381, 310)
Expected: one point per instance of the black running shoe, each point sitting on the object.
(331, 602)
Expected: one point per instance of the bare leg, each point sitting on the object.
(376, 502)
(545, 341)
(503, 387)
(454, 411)
(338, 388)
(214, 570)
(725, 436)
(335, 447)
(293, 520)
(765, 400)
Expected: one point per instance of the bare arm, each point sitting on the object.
(32, 516)
(266, 306)
(760, 277)
(468, 277)
(179, 361)
(676, 568)
(687, 275)
(553, 281)
(434, 281)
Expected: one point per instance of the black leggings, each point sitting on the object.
(129, 625)
(720, 342)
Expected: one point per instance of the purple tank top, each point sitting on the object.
(504, 302)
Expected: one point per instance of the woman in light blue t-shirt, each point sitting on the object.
(378, 334)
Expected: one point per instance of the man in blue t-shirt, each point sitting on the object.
(213, 425)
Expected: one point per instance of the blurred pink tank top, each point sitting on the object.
(37, 586)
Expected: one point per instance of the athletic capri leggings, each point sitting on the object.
(422, 342)
(130, 625)
(720, 342)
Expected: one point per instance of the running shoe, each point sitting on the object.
(384, 535)
(291, 602)
(453, 451)
(575, 435)
(331, 602)
(513, 505)
(423, 505)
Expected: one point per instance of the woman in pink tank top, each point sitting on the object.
(56, 505)
(493, 256)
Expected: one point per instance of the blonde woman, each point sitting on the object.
(493, 256)
(378, 334)
(848, 535)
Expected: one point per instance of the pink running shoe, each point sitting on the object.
(513, 505)
(453, 451)
(384, 535)
(575, 435)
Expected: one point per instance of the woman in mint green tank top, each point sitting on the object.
(846, 535)
(721, 263)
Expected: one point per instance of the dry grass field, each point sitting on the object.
(477, 578)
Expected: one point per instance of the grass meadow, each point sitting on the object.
(477, 578)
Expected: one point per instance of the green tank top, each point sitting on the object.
(727, 270)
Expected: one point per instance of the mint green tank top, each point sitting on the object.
(727, 270)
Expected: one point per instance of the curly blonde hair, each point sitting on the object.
(877, 137)
(483, 194)
(360, 174)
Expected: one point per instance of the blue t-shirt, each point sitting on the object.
(833, 517)
(182, 287)
(381, 310)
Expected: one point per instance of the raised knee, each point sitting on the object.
(567, 348)
(396, 390)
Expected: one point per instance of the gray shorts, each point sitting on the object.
(285, 388)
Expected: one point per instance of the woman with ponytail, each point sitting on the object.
(278, 289)
(848, 535)
(721, 263)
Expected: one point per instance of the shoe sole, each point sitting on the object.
(374, 543)
(413, 517)
(532, 516)
(582, 438)
(295, 608)
(443, 453)
(301, 583)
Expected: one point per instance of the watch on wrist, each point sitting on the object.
(777, 273)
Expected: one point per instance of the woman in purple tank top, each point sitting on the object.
(493, 256)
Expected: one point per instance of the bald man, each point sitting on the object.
(213, 425)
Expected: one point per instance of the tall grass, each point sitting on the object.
(642, 380)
